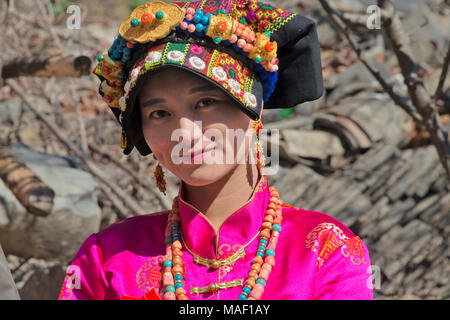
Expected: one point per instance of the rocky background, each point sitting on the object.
(357, 153)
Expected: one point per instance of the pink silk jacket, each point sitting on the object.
(317, 257)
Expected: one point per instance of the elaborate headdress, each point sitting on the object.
(252, 50)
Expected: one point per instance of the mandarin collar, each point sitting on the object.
(238, 229)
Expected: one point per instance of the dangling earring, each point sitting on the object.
(260, 159)
(159, 177)
(123, 139)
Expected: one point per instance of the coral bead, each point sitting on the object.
(265, 233)
(274, 199)
(169, 296)
(267, 224)
(177, 269)
(190, 11)
(241, 43)
(256, 267)
(189, 17)
(180, 291)
(257, 291)
(274, 68)
(146, 18)
(178, 261)
(191, 28)
(269, 218)
(270, 260)
(168, 279)
(222, 26)
(250, 283)
(177, 244)
(258, 260)
(183, 25)
(248, 47)
(272, 213)
(233, 38)
(269, 46)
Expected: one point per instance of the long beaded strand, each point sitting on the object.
(262, 264)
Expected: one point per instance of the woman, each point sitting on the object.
(179, 78)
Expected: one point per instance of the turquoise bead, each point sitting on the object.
(99, 57)
(242, 297)
(168, 263)
(170, 288)
(247, 290)
(217, 40)
(134, 22)
(259, 253)
(178, 277)
(199, 27)
(276, 227)
(159, 15)
(178, 285)
(258, 59)
(268, 33)
(200, 12)
(270, 252)
(205, 20)
(261, 281)
(263, 241)
(197, 18)
(223, 11)
(262, 248)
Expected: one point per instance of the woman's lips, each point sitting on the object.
(198, 155)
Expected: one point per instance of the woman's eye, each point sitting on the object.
(157, 114)
(206, 102)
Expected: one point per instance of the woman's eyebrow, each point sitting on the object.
(207, 87)
(150, 102)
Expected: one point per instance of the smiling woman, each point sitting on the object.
(186, 81)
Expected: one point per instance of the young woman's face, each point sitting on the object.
(183, 115)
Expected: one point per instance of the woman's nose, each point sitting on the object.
(193, 129)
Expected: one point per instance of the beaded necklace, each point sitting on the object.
(262, 264)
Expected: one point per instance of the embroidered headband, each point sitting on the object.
(247, 48)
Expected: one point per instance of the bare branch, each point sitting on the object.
(135, 208)
(443, 76)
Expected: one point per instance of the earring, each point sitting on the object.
(123, 139)
(159, 177)
(260, 159)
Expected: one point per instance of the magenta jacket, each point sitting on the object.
(317, 257)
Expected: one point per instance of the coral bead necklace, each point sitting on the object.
(261, 267)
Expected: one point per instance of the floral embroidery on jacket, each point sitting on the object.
(326, 238)
(149, 275)
(225, 251)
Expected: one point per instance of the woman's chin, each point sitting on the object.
(203, 174)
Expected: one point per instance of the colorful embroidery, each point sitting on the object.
(149, 275)
(66, 293)
(326, 238)
(225, 251)
(353, 248)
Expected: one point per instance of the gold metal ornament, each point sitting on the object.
(123, 140)
(221, 26)
(261, 45)
(157, 28)
(114, 94)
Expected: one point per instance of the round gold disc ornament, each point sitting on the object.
(151, 22)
